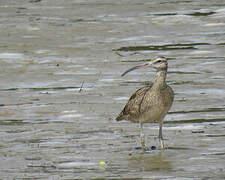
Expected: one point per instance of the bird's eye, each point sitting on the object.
(159, 61)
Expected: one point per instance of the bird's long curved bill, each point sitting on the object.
(133, 68)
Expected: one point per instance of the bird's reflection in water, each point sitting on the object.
(150, 162)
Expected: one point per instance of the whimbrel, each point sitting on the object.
(150, 103)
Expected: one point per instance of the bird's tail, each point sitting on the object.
(120, 117)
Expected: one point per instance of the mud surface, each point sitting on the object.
(61, 89)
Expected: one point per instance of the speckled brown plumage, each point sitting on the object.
(133, 109)
(146, 100)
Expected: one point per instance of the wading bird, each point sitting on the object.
(150, 103)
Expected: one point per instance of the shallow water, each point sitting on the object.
(61, 89)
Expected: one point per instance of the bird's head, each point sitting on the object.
(159, 63)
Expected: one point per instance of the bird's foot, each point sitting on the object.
(161, 142)
(144, 148)
(147, 149)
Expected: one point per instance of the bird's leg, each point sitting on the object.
(142, 137)
(160, 136)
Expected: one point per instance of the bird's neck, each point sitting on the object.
(160, 79)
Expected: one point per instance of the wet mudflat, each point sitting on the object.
(61, 89)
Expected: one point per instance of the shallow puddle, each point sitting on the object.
(61, 89)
